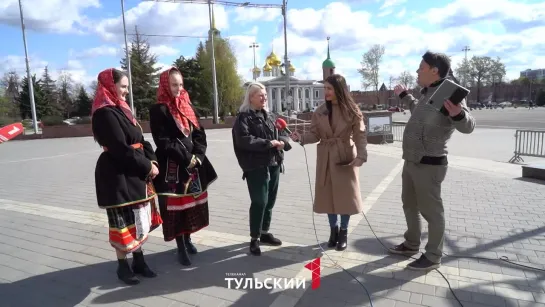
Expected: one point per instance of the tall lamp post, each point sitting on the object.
(128, 59)
(254, 46)
(29, 77)
(286, 61)
(214, 78)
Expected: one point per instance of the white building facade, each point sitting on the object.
(304, 95)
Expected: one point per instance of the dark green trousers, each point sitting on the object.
(263, 187)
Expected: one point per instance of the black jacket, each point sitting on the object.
(121, 171)
(175, 148)
(252, 135)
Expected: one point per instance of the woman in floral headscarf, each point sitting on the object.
(123, 175)
(185, 171)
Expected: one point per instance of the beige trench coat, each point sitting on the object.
(337, 187)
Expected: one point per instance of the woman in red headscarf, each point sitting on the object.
(185, 171)
(123, 175)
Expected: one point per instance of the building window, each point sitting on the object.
(307, 93)
(316, 94)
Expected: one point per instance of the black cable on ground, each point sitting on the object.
(503, 258)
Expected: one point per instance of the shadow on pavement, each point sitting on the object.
(202, 284)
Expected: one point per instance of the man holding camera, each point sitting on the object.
(425, 153)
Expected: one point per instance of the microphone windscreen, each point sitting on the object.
(281, 124)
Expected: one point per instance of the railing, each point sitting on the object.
(397, 131)
(528, 143)
(296, 124)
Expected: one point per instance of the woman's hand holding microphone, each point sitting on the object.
(295, 136)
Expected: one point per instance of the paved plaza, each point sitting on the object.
(54, 249)
(507, 118)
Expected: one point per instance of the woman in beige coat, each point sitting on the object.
(338, 126)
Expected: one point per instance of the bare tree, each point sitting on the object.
(10, 83)
(370, 65)
(65, 86)
(391, 82)
(406, 79)
(93, 87)
(462, 73)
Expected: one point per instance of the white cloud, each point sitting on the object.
(17, 63)
(446, 29)
(164, 50)
(51, 15)
(513, 15)
(73, 67)
(246, 15)
(245, 54)
(162, 66)
(162, 19)
(352, 33)
(391, 3)
(99, 51)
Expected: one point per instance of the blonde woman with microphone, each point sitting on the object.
(339, 128)
(259, 147)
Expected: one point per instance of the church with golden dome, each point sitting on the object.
(304, 95)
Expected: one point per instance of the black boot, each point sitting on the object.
(125, 274)
(254, 247)
(343, 237)
(333, 237)
(189, 245)
(183, 256)
(140, 267)
(268, 238)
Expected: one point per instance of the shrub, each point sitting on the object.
(5, 120)
(52, 121)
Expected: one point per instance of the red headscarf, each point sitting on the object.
(106, 95)
(179, 107)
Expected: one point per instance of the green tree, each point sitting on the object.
(480, 71)
(144, 75)
(24, 99)
(50, 101)
(82, 103)
(7, 108)
(193, 74)
(230, 91)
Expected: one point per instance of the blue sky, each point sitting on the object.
(82, 37)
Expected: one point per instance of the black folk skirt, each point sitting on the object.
(184, 214)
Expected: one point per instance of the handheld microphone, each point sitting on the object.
(282, 125)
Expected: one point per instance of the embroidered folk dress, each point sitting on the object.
(122, 170)
(184, 170)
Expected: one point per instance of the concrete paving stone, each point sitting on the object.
(405, 304)
(416, 298)
(488, 214)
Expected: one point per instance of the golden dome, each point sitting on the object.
(273, 59)
(267, 67)
(256, 69)
(292, 68)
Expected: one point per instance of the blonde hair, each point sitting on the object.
(250, 90)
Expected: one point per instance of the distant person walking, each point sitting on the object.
(425, 153)
(185, 171)
(123, 175)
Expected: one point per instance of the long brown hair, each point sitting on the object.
(344, 98)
